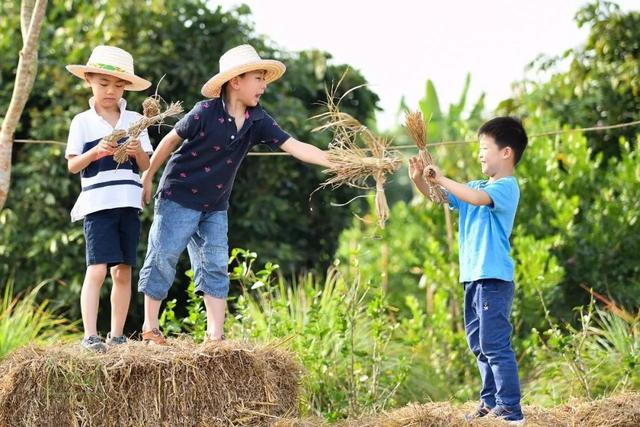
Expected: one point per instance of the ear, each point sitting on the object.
(507, 152)
(235, 82)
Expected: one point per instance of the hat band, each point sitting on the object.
(107, 67)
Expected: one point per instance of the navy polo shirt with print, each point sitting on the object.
(200, 174)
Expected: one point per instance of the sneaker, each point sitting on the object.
(511, 416)
(482, 411)
(154, 336)
(116, 340)
(93, 343)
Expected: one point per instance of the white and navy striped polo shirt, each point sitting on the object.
(105, 185)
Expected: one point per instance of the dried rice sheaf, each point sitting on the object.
(353, 164)
(152, 115)
(417, 130)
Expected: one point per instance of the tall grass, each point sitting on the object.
(24, 321)
(338, 326)
(597, 359)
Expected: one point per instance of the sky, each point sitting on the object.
(399, 44)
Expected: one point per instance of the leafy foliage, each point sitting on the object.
(184, 40)
(601, 84)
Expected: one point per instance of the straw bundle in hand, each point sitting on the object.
(417, 130)
(352, 164)
(152, 115)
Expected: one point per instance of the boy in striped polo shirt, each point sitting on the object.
(110, 200)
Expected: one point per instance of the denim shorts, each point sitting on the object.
(112, 236)
(204, 234)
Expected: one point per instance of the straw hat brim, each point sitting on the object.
(135, 83)
(274, 70)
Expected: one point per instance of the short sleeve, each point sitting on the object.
(270, 134)
(454, 202)
(75, 141)
(145, 142)
(189, 126)
(504, 194)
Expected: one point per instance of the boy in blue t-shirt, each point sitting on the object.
(487, 211)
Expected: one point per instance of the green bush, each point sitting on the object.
(184, 40)
(599, 358)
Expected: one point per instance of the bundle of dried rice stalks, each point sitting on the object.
(152, 115)
(225, 384)
(353, 164)
(115, 136)
(417, 130)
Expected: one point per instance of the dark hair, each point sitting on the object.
(223, 88)
(507, 132)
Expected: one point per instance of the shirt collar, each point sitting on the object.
(256, 113)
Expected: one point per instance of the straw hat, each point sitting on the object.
(241, 59)
(114, 62)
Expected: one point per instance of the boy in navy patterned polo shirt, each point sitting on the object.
(193, 194)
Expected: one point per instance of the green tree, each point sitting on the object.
(601, 85)
(184, 40)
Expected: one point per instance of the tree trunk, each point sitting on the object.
(31, 15)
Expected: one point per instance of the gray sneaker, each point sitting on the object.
(482, 411)
(513, 416)
(116, 340)
(93, 343)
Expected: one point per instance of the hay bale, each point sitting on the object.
(438, 414)
(184, 384)
(621, 411)
(297, 422)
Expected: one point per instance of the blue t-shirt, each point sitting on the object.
(484, 231)
(201, 173)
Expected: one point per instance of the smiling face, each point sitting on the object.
(107, 90)
(249, 87)
(493, 159)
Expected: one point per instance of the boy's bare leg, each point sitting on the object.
(151, 313)
(120, 297)
(216, 308)
(90, 297)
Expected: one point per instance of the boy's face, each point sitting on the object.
(492, 157)
(107, 90)
(251, 86)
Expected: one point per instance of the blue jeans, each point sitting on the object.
(487, 307)
(204, 234)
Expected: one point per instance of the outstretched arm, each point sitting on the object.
(160, 155)
(306, 152)
(461, 191)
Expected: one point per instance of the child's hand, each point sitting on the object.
(105, 148)
(147, 188)
(432, 172)
(134, 147)
(416, 169)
